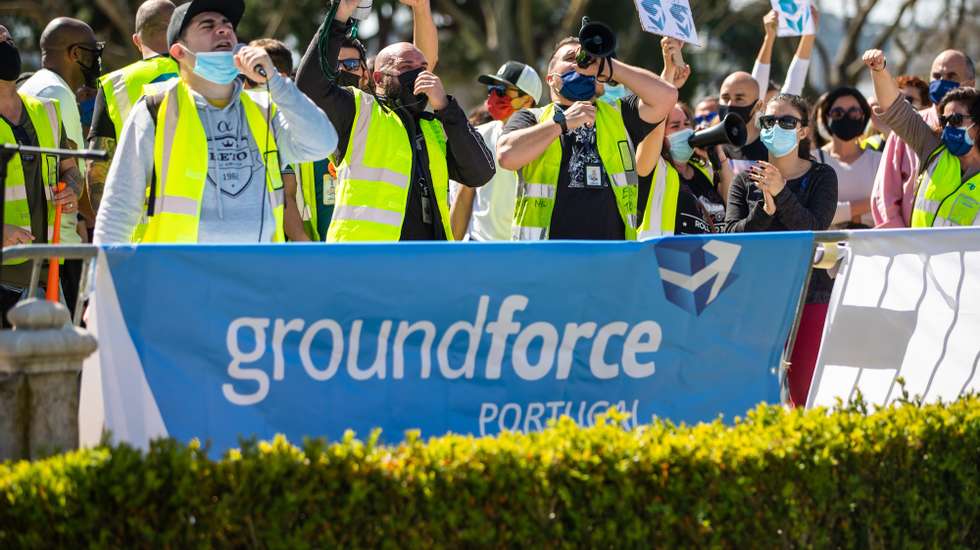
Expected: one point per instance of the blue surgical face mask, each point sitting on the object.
(939, 88)
(957, 140)
(680, 149)
(779, 141)
(614, 93)
(217, 67)
(577, 87)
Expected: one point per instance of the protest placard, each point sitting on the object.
(795, 18)
(668, 18)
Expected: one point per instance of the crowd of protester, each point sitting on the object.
(219, 142)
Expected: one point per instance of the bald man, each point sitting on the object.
(120, 90)
(893, 194)
(740, 95)
(394, 159)
(71, 58)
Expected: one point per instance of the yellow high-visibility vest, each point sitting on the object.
(660, 213)
(181, 166)
(538, 181)
(942, 198)
(45, 116)
(124, 87)
(374, 176)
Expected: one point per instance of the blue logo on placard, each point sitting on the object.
(680, 14)
(694, 274)
(655, 13)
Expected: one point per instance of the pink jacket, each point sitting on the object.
(893, 195)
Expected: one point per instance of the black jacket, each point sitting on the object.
(469, 161)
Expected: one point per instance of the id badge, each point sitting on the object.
(593, 175)
(329, 190)
(426, 204)
(426, 211)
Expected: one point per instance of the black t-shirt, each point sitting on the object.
(707, 195)
(750, 151)
(807, 203)
(102, 125)
(585, 206)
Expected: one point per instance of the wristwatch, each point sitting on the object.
(559, 118)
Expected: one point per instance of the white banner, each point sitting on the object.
(795, 18)
(906, 304)
(668, 18)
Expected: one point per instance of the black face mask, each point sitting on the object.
(847, 128)
(345, 78)
(9, 61)
(406, 92)
(92, 72)
(744, 113)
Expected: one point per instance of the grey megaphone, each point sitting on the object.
(730, 131)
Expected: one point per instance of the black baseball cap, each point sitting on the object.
(518, 75)
(232, 9)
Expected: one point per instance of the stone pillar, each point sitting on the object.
(40, 378)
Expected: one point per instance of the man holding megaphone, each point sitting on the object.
(575, 157)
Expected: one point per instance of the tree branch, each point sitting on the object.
(856, 67)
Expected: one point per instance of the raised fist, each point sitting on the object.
(875, 60)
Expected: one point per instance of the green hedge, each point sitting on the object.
(901, 477)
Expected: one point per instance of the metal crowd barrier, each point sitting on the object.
(38, 253)
(828, 251)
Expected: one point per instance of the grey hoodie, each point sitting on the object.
(240, 211)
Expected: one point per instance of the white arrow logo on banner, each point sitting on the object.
(725, 255)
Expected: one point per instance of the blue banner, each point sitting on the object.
(312, 340)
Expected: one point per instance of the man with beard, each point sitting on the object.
(575, 157)
(394, 158)
(487, 213)
(71, 58)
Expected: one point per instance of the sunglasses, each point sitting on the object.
(97, 49)
(349, 64)
(838, 113)
(955, 119)
(704, 119)
(786, 122)
(500, 90)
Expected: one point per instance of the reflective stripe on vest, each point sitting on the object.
(306, 181)
(373, 178)
(45, 116)
(538, 181)
(943, 199)
(181, 166)
(123, 88)
(660, 213)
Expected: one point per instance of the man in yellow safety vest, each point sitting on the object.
(210, 154)
(575, 157)
(119, 90)
(395, 159)
(29, 200)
